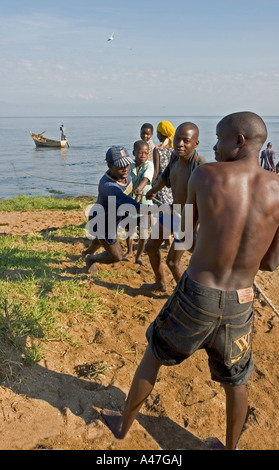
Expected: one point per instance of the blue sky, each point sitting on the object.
(180, 58)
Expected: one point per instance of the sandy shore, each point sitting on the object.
(56, 405)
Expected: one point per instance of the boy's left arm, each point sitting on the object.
(146, 177)
(141, 186)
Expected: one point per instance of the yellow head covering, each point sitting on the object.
(166, 128)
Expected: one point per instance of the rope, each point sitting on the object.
(61, 181)
(159, 202)
(74, 182)
(266, 298)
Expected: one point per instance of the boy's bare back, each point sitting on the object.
(237, 205)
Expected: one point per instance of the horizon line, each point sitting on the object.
(124, 116)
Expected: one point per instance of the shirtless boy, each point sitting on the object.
(176, 175)
(212, 305)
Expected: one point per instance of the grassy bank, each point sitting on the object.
(43, 289)
(24, 203)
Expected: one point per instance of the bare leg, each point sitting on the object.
(141, 388)
(93, 247)
(129, 248)
(153, 251)
(112, 254)
(141, 245)
(174, 262)
(167, 244)
(236, 407)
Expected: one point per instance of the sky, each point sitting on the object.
(170, 58)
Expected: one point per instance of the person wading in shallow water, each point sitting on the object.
(212, 305)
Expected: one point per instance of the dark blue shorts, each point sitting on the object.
(198, 317)
(108, 241)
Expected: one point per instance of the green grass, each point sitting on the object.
(24, 203)
(43, 292)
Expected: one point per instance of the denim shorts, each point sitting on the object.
(199, 317)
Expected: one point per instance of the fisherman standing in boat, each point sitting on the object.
(63, 132)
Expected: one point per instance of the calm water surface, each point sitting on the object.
(79, 168)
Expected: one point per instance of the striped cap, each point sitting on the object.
(119, 156)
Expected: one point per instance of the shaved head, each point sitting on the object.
(245, 123)
(189, 125)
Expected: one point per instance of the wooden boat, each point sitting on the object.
(42, 141)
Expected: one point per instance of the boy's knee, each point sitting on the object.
(170, 263)
(152, 248)
(147, 249)
(117, 257)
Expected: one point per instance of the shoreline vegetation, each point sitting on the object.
(37, 301)
(25, 203)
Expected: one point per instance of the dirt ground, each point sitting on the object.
(56, 404)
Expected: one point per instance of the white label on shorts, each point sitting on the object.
(245, 295)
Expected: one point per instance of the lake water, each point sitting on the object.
(77, 170)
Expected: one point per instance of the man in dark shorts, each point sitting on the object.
(212, 305)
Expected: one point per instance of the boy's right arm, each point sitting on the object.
(153, 191)
(270, 260)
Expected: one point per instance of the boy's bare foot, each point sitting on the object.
(128, 254)
(91, 266)
(113, 421)
(84, 253)
(139, 261)
(156, 286)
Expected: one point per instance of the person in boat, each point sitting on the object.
(116, 182)
(212, 305)
(63, 132)
(182, 163)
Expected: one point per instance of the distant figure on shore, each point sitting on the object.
(63, 132)
(211, 307)
(268, 158)
(146, 133)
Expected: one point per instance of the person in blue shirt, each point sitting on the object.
(117, 183)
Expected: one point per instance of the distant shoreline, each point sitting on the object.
(109, 116)
(115, 116)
